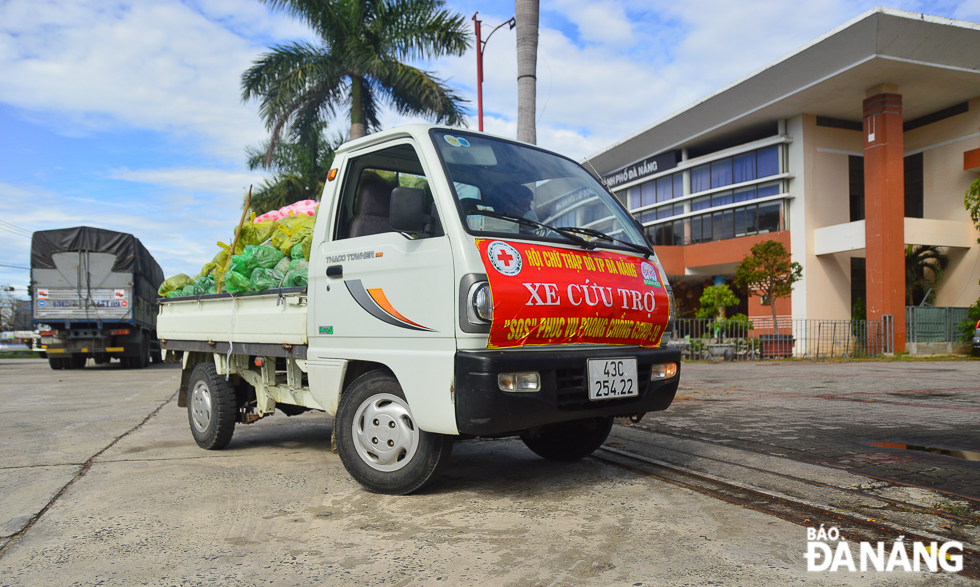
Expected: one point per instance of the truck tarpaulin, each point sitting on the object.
(547, 295)
(131, 255)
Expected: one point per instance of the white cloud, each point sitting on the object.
(602, 22)
(179, 216)
(153, 64)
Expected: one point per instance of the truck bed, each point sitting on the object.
(272, 317)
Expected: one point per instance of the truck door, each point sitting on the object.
(381, 295)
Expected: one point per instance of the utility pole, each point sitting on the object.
(527, 65)
(480, 46)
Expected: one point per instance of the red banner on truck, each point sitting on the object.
(550, 295)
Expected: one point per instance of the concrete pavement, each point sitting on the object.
(131, 500)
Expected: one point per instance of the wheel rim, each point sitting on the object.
(384, 432)
(201, 406)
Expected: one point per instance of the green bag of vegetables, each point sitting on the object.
(307, 245)
(256, 234)
(235, 282)
(283, 266)
(253, 257)
(176, 282)
(297, 251)
(296, 278)
(264, 279)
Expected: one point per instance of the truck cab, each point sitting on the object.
(460, 285)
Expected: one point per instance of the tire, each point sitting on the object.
(156, 356)
(378, 441)
(55, 363)
(142, 360)
(77, 361)
(568, 441)
(211, 407)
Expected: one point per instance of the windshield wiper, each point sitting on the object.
(528, 222)
(646, 251)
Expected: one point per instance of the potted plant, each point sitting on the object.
(714, 300)
(769, 273)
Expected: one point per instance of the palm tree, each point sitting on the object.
(356, 63)
(299, 170)
(924, 267)
(526, 17)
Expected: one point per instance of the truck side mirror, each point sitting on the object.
(407, 211)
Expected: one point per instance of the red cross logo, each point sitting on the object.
(504, 258)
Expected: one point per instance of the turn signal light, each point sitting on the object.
(528, 381)
(332, 174)
(663, 371)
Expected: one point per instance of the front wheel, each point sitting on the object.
(378, 441)
(568, 441)
(211, 408)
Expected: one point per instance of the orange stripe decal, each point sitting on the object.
(379, 297)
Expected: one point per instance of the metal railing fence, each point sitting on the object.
(930, 324)
(709, 339)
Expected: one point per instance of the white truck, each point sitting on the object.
(460, 285)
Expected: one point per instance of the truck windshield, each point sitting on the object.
(494, 179)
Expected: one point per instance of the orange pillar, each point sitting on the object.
(884, 207)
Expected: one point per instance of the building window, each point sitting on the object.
(855, 180)
(767, 161)
(721, 198)
(635, 197)
(913, 186)
(721, 173)
(649, 193)
(701, 178)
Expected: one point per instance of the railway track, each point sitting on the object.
(859, 516)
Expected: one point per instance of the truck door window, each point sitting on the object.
(366, 201)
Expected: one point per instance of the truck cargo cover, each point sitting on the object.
(131, 255)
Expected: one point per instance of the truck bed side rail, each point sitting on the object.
(239, 348)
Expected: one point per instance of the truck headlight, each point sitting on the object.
(479, 307)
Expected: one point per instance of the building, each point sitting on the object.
(860, 142)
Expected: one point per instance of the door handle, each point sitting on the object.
(335, 271)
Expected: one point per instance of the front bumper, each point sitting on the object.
(483, 409)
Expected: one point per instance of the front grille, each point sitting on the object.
(571, 393)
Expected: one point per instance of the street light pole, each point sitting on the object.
(480, 46)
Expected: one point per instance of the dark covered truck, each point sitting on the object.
(94, 295)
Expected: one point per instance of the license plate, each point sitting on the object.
(612, 378)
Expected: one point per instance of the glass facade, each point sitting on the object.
(723, 224)
(713, 225)
(656, 191)
(738, 169)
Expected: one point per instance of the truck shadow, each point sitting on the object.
(505, 467)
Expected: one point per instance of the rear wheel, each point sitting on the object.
(568, 441)
(77, 361)
(378, 441)
(211, 407)
(56, 363)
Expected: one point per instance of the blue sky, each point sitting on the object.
(127, 115)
